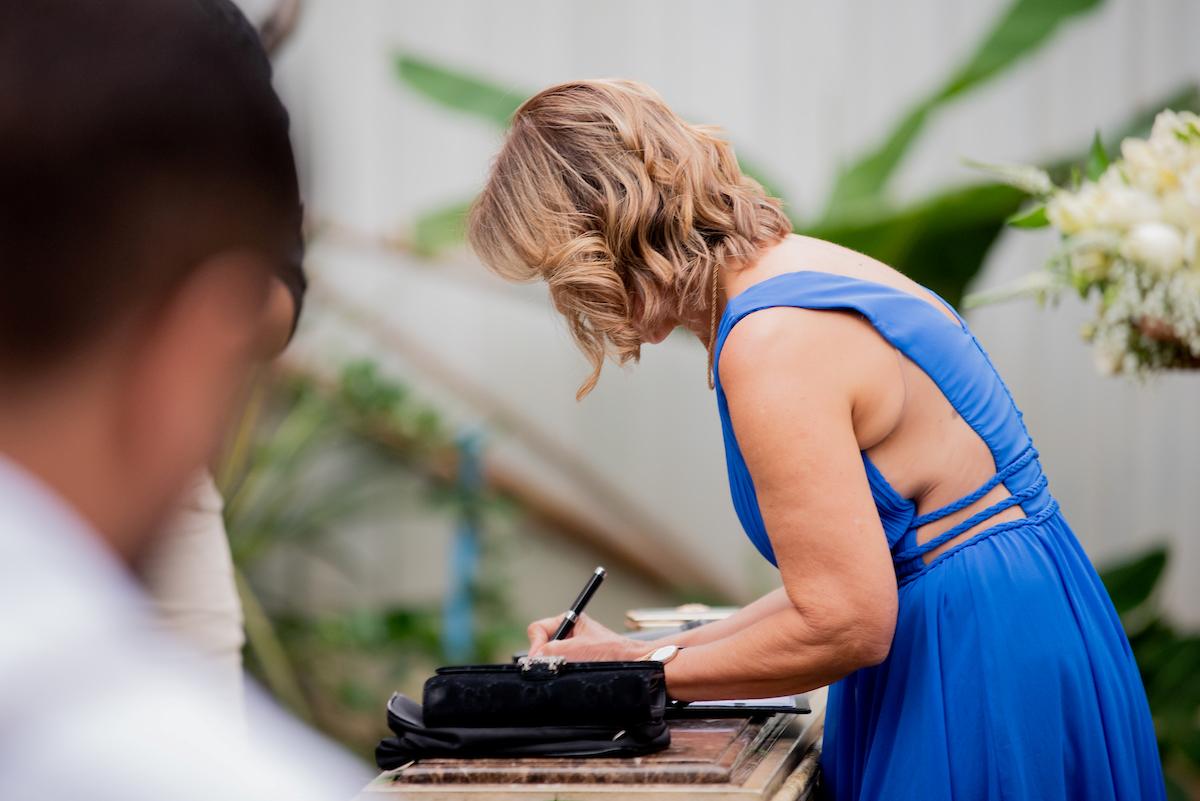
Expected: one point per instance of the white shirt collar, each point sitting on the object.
(48, 551)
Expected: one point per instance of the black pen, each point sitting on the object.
(585, 595)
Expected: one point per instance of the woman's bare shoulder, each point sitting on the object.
(829, 257)
(837, 347)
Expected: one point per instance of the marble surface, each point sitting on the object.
(701, 752)
(721, 760)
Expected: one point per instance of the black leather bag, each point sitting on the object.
(546, 692)
(541, 707)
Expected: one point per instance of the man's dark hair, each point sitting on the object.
(137, 138)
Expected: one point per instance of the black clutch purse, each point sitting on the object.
(547, 691)
(538, 707)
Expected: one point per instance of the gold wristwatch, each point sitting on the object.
(662, 654)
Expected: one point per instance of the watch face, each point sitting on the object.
(664, 654)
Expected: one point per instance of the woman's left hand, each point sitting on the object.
(588, 641)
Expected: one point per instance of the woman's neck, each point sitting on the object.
(773, 260)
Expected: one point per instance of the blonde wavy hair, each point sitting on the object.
(623, 208)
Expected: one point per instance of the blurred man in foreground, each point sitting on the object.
(148, 195)
(189, 570)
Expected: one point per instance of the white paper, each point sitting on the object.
(783, 701)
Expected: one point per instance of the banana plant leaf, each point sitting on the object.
(1021, 30)
(941, 240)
(906, 239)
(1130, 584)
(488, 102)
(1169, 662)
(459, 90)
(434, 232)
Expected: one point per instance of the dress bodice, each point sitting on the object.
(952, 357)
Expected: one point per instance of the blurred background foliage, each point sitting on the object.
(940, 240)
(1169, 660)
(336, 668)
(311, 457)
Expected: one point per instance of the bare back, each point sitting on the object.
(901, 419)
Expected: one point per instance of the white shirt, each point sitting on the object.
(188, 572)
(96, 703)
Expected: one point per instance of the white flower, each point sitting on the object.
(1070, 212)
(1179, 211)
(1148, 166)
(1189, 184)
(1127, 237)
(1107, 360)
(1176, 126)
(1157, 164)
(1109, 203)
(1191, 249)
(1122, 206)
(1154, 245)
(1090, 264)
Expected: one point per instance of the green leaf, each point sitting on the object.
(459, 90)
(1175, 789)
(366, 392)
(1097, 161)
(357, 696)
(1177, 678)
(1153, 646)
(1022, 29)
(939, 241)
(869, 175)
(262, 641)
(1033, 217)
(1132, 582)
(444, 228)
(1190, 745)
(488, 101)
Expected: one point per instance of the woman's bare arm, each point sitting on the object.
(610, 645)
(792, 378)
(751, 613)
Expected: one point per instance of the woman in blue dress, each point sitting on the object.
(874, 456)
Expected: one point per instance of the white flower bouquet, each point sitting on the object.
(1130, 238)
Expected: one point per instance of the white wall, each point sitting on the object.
(799, 86)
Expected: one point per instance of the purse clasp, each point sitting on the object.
(551, 664)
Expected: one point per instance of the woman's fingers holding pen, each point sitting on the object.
(588, 641)
(540, 632)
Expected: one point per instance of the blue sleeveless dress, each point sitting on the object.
(1009, 675)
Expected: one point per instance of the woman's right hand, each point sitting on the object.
(588, 641)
